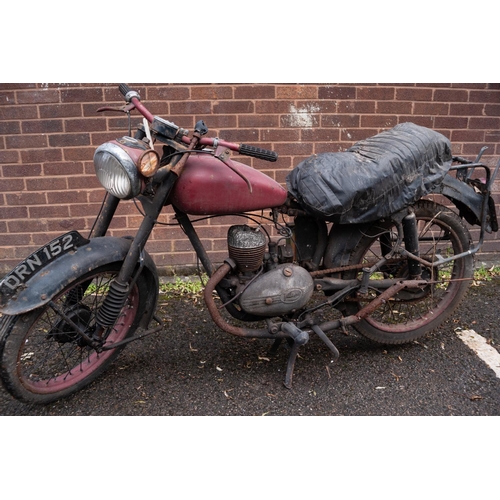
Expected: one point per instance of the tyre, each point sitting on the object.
(413, 313)
(42, 358)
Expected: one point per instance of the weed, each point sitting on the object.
(181, 287)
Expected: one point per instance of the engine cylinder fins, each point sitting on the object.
(246, 247)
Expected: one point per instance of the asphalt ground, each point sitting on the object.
(194, 369)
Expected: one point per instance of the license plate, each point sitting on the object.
(39, 259)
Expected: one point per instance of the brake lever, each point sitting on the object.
(127, 108)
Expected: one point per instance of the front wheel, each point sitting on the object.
(42, 358)
(413, 313)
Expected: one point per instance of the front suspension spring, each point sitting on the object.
(113, 303)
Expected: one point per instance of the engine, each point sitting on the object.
(263, 284)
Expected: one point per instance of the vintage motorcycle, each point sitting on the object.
(352, 228)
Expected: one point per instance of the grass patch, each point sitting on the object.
(486, 273)
(188, 287)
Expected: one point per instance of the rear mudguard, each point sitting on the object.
(469, 202)
(50, 280)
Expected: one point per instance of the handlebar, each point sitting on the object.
(133, 97)
(244, 149)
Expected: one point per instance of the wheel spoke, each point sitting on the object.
(414, 311)
(51, 357)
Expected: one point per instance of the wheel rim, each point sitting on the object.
(52, 357)
(406, 311)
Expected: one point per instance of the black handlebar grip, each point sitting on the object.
(124, 89)
(263, 154)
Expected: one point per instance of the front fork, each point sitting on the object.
(120, 287)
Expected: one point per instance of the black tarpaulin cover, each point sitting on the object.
(375, 177)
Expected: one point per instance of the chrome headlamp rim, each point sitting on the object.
(125, 162)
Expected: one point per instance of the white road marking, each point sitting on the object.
(479, 345)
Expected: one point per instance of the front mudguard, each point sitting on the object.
(50, 280)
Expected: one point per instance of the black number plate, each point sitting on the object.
(39, 259)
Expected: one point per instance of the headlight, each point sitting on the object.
(119, 165)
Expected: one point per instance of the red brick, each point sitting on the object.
(257, 92)
(8, 127)
(356, 107)
(273, 107)
(67, 140)
(467, 135)
(259, 121)
(296, 92)
(167, 93)
(431, 108)
(450, 95)
(279, 135)
(211, 92)
(46, 184)
(337, 92)
(20, 171)
(379, 121)
(23, 141)
(492, 110)
(466, 109)
(60, 110)
(340, 121)
(413, 94)
(451, 122)
(11, 185)
(18, 112)
(37, 96)
(28, 226)
(63, 168)
(233, 107)
(377, 93)
(248, 136)
(25, 198)
(17, 86)
(85, 125)
(69, 196)
(486, 96)
(78, 154)
(81, 95)
(40, 155)
(13, 212)
(48, 211)
(191, 107)
(42, 126)
(9, 156)
(394, 107)
(489, 123)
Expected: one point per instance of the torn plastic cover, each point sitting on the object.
(374, 178)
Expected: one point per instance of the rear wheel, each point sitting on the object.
(43, 358)
(412, 313)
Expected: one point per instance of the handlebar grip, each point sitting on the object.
(124, 89)
(263, 154)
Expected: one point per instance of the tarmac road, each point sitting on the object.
(194, 369)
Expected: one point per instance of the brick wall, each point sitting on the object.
(48, 133)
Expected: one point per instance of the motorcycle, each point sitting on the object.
(354, 232)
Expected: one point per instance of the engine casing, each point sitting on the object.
(280, 291)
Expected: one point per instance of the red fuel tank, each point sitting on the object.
(209, 187)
